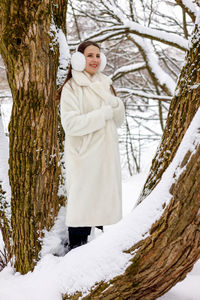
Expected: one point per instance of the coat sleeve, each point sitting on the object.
(118, 110)
(74, 123)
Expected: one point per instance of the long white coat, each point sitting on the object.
(91, 151)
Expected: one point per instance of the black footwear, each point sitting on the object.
(77, 245)
(78, 236)
(99, 227)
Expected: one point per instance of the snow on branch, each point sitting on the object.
(144, 95)
(137, 29)
(127, 69)
(147, 32)
(100, 35)
(151, 59)
(63, 57)
(58, 38)
(158, 35)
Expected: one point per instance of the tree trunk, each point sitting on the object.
(30, 53)
(181, 112)
(173, 245)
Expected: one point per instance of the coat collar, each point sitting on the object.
(100, 86)
(83, 80)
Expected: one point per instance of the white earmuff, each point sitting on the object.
(103, 62)
(78, 61)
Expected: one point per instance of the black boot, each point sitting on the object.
(78, 236)
(99, 227)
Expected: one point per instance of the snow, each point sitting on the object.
(64, 56)
(130, 68)
(58, 38)
(153, 62)
(4, 161)
(102, 258)
(136, 28)
(1, 242)
(6, 107)
(140, 30)
(165, 37)
(143, 94)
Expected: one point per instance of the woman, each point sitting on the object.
(90, 115)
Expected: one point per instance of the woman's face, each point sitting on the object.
(92, 56)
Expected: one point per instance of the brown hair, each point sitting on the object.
(81, 48)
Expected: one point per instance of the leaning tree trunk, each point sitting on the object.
(173, 245)
(182, 110)
(30, 53)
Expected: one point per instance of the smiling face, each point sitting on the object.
(92, 56)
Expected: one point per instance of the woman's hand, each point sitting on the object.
(114, 101)
(108, 112)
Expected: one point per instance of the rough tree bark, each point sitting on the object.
(30, 54)
(173, 245)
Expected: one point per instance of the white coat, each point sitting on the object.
(91, 151)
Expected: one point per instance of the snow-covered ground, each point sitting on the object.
(102, 258)
(47, 281)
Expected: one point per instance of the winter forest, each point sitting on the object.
(153, 59)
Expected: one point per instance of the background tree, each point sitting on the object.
(145, 42)
(29, 45)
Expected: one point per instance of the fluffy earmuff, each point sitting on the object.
(103, 62)
(78, 61)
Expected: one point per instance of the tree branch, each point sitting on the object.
(144, 95)
(189, 7)
(127, 69)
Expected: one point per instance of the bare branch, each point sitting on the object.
(145, 95)
(128, 69)
(189, 7)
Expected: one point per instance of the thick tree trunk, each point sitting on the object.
(182, 110)
(173, 245)
(30, 53)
